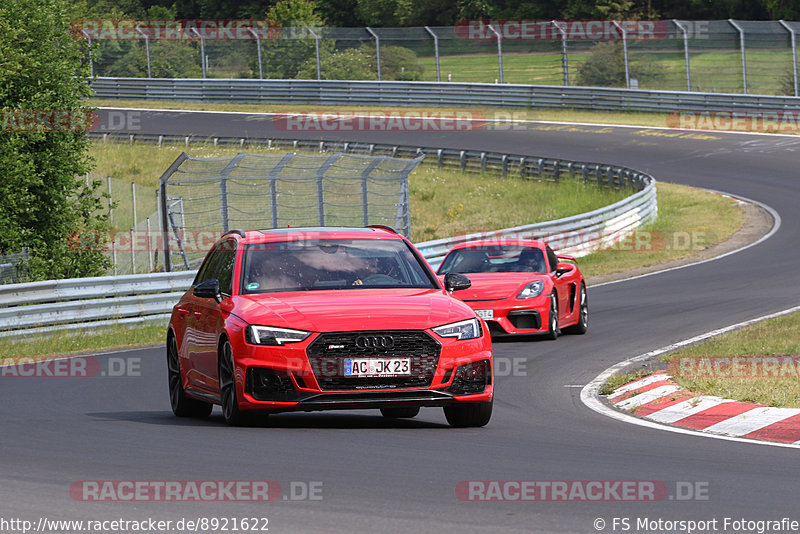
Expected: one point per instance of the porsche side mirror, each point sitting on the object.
(455, 282)
(208, 290)
(564, 268)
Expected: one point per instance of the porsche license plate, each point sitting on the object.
(485, 314)
(377, 367)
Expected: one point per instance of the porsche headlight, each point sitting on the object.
(534, 289)
(469, 329)
(270, 335)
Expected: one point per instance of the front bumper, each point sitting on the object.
(515, 318)
(288, 378)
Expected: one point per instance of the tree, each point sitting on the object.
(44, 201)
(284, 57)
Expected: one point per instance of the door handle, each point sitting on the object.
(183, 311)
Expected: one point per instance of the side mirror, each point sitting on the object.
(455, 281)
(208, 290)
(564, 268)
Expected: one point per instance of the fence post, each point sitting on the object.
(321, 187)
(499, 52)
(316, 50)
(146, 48)
(625, 53)
(110, 202)
(258, 48)
(365, 189)
(744, 60)
(91, 63)
(202, 50)
(149, 246)
(133, 202)
(435, 53)
(223, 189)
(162, 181)
(377, 50)
(564, 56)
(685, 53)
(273, 187)
(794, 53)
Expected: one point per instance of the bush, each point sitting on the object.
(605, 67)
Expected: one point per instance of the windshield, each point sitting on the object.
(494, 259)
(331, 264)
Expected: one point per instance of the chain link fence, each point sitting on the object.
(202, 196)
(729, 56)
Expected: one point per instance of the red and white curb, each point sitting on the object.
(657, 398)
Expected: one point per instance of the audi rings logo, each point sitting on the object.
(375, 342)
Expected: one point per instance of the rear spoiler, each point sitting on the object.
(566, 257)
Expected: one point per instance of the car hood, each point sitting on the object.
(495, 286)
(353, 309)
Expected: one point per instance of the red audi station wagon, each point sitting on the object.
(306, 319)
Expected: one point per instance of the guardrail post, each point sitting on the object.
(499, 52)
(146, 48)
(564, 56)
(258, 48)
(504, 160)
(744, 57)
(794, 53)
(435, 52)
(625, 53)
(685, 53)
(377, 50)
(316, 51)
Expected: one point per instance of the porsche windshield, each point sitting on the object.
(495, 259)
(331, 264)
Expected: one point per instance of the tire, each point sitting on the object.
(227, 389)
(182, 406)
(404, 412)
(582, 325)
(468, 415)
(552, 319)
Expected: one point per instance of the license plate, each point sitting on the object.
(485, 314)
(377, 367)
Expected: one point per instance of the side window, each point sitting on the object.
(225, 267)
(552, 259)
(209, 268)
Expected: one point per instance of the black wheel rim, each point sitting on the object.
(174, 372)
(226, 381)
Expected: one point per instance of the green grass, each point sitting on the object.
(771, 338)
(621, 379)
(62, 343)
(689, 221)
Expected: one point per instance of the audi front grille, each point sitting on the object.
(328, 352)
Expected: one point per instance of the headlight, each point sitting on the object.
(534, 289)
(469, 329)
(270, 335)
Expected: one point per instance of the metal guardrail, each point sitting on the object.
(91, 303)
(367, 93)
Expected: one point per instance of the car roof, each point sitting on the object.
(501, 242)
(316, 232)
